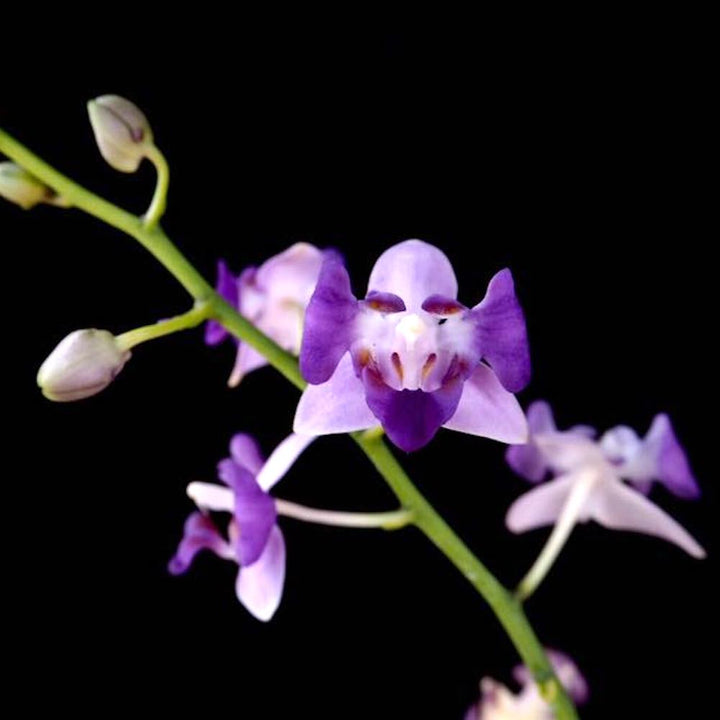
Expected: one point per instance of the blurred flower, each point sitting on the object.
(273, 297)
(593, 473)
(121, 130)
(83, 364)
(409, 356)
(20, 187)
(498, 703)
(254, 541)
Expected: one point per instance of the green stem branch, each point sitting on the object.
(505, 606)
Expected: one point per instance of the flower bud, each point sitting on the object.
(22, 188)
(83, 364)
(121, 130)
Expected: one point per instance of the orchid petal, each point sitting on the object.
(384, 302)
(413, 270)
(540, 506)
(291, 274)
(616, 506)
(336, 406)
(282, 459)
(528, 460)
(199, 534)
(245, 451)
(209, 496)
(259, 587)
(227, 288)
(254, 511)
(329, 321)
(501, 332)
(246, 360)
(411, 417)
(488, 410)
(565, 451)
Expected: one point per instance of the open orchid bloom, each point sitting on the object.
(498, 703)
(253, 541)
(410, 357)
(589, 478)
(273, 297)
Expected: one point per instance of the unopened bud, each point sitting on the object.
(83, 364)
(20, 187)
(121, 130)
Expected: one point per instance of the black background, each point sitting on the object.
(579, 159)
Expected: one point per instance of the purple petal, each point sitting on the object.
(411, 417)
(227, 288)
(337, 406)
(528, 460)
(199, 534)
(246, 360)
(259, 587)
(245, 451)
(254, 514)
(413, 269)
(292, 274)
(616, 506)
(329, 322)
(540, 506)
(384, 302)
(672, 467)
(488, 410)
(282, 459)
(501, 332)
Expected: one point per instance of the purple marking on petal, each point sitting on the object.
(411, 417)
(227, 288)
(246, 452)
(384, 302)
(329, 321)
(528, 460)
(413, 269)
(254, 514)
(443, 306)
(501, 332)
(199, 534)
(673, 468)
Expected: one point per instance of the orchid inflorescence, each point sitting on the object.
(403, 361)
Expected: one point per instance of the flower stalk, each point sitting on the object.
(506, 607)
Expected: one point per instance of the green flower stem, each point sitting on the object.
(201, 312)
(159, 199)
(393, 520)
(506, 607)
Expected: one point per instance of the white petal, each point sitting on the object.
(336, 406)
(540, 506)
(617, 506)
(211, 497)
(281, 459)
(259, 587)
(487, 409)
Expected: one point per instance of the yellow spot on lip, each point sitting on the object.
(411, 327)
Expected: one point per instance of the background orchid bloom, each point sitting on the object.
(254, 541)
(273, 297)
(409, 356)
(497, 702)
(589, 478)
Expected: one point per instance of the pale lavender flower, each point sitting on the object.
(253, 541)
(497, 702)
(592, 473)
(273, 297)
(410, 357)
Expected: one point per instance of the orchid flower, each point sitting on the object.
(410, 357)
(498, 703)
(589, 483)
(273, 297)
(254, 541)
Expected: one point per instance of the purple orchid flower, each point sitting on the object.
(497, 702)
(254, 541)
(589, 478)
(410, 357)
(273, 297)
